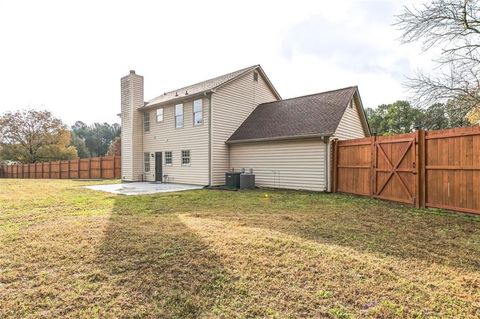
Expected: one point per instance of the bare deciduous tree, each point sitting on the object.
(454, 27)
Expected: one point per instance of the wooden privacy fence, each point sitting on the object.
(427, 168)
(86, 168)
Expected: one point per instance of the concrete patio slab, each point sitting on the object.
(141, 188)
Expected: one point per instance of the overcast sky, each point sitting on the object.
(68, 56)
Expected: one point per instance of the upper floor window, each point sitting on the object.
(146, 161)
(146, 121)
(197, 112)
(160, 114)
(168, 158)
(255, 76)
(179, 115)
(186, 157)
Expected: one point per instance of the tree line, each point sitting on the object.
(31, 136)
(402, 117)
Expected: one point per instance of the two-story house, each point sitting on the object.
(194, 134)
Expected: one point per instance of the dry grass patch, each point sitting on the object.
(75, 253)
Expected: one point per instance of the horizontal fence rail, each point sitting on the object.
(108, 167)
(427, 168)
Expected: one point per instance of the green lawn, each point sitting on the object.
(74, 253)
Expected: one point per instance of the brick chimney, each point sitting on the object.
(132, 126)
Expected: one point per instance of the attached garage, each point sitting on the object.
(297, 164)
(287, 143)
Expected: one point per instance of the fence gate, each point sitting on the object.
(426, 168)
(394, 169)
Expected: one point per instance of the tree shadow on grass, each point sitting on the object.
(363, 224)
(153, 266)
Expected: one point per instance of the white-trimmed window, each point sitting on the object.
(146, 161)
(179, 115)
(185, 157)
(146, 121)
(197, 112)
(160, 114)
(168, 158)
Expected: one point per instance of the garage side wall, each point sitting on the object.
(295, 164)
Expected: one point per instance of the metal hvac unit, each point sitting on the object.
(247, 181)
(232, 179)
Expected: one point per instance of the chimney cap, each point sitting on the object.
(132, 71)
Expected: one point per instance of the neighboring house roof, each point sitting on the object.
(305, 116)
(205, 87)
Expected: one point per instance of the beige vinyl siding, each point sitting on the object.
(132, 127)
(350, 125)
(231, 105)
(127, 132)
(163, 137)
(294, 164)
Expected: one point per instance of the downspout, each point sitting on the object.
(210, 139)
(327, 162)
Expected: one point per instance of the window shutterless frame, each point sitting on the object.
(168, 158)
(159, 114)
(197, 112)
(179, 115)
(146, 161)
(146, 121)
(185, 157)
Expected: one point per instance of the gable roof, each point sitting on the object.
(205, 86)
(305, 116)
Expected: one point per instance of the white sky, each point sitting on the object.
(68, 56)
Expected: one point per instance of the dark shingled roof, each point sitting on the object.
(310, 115)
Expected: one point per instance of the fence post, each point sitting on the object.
(49, 170)
(78, 168)
(420, 168)
(373, 163)
(334, 166)
(101, 168)
(68, 169)
(89, 168)
(113, 165)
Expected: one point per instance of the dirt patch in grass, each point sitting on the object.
(75, 253)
